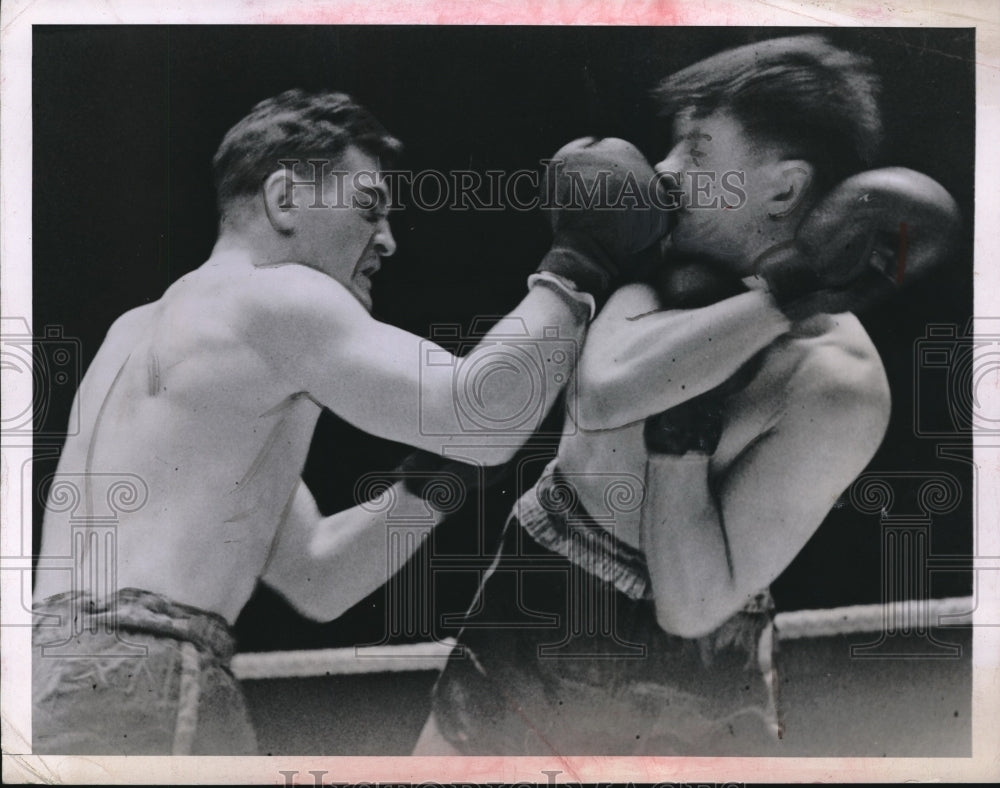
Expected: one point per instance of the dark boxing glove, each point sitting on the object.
(444, 483)
(689, 285)
(696, 425)
(869, 236)
(692, 426)
(596, 237)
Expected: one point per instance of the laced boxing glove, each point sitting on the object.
(595, 238)
(869, 236)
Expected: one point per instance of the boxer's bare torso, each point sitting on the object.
(177, 397)
(793, 367)
(210, 395)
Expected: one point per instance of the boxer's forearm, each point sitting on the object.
(496, 395)
(769, 501)
(685, 546)
(636, 366)
(359, 550)
(326, 565)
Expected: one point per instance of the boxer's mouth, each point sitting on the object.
(669, 194)
(369, 269)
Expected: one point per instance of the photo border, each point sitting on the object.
(18, 16)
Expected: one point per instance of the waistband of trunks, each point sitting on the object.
(553, 517)
(136, 610)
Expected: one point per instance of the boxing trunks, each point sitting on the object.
(561, 653)
(136, 674)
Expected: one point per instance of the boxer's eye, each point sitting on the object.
(375, 204)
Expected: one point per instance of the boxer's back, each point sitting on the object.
(177, 399)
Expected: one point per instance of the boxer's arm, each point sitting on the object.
(711, 551)
(324, 566)
(398, 386)
(640, 360)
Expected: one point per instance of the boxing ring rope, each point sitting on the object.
(792, 625)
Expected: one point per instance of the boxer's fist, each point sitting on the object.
(600, 198)
(870, 235)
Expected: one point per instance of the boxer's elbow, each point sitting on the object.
(600, 401)
(321, 608)
(694, 620)
(593, 412)
(694, 612)
(307, 597)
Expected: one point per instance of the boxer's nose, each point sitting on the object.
(385, 244)
(670, 179)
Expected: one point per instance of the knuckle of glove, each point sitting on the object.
(910, 215)
(603, 188)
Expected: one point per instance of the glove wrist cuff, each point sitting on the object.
(565, 288)
(583, 262)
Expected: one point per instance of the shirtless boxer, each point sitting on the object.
(205, 402)
(718, 418)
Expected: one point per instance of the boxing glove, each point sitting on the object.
(444, 483)
(690, 285)
(870, 235)
(595, 238)
(696, 425)
(692, 426)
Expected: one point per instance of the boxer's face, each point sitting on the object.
(348, 238)
(721, 175)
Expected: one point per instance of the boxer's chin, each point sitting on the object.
(701, 240)
(361, 289)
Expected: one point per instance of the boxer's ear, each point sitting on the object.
(279, 202)
(789, 181)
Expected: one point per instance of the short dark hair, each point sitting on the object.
(295, 125)
(815, 101)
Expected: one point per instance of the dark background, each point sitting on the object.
(126, 120)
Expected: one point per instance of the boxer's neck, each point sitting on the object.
(254, 243)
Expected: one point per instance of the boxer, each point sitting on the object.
(210, 396)
(734, 402)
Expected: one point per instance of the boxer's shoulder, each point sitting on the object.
(239, 303)
(293, 292)
(133, 320)
(839, 366)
